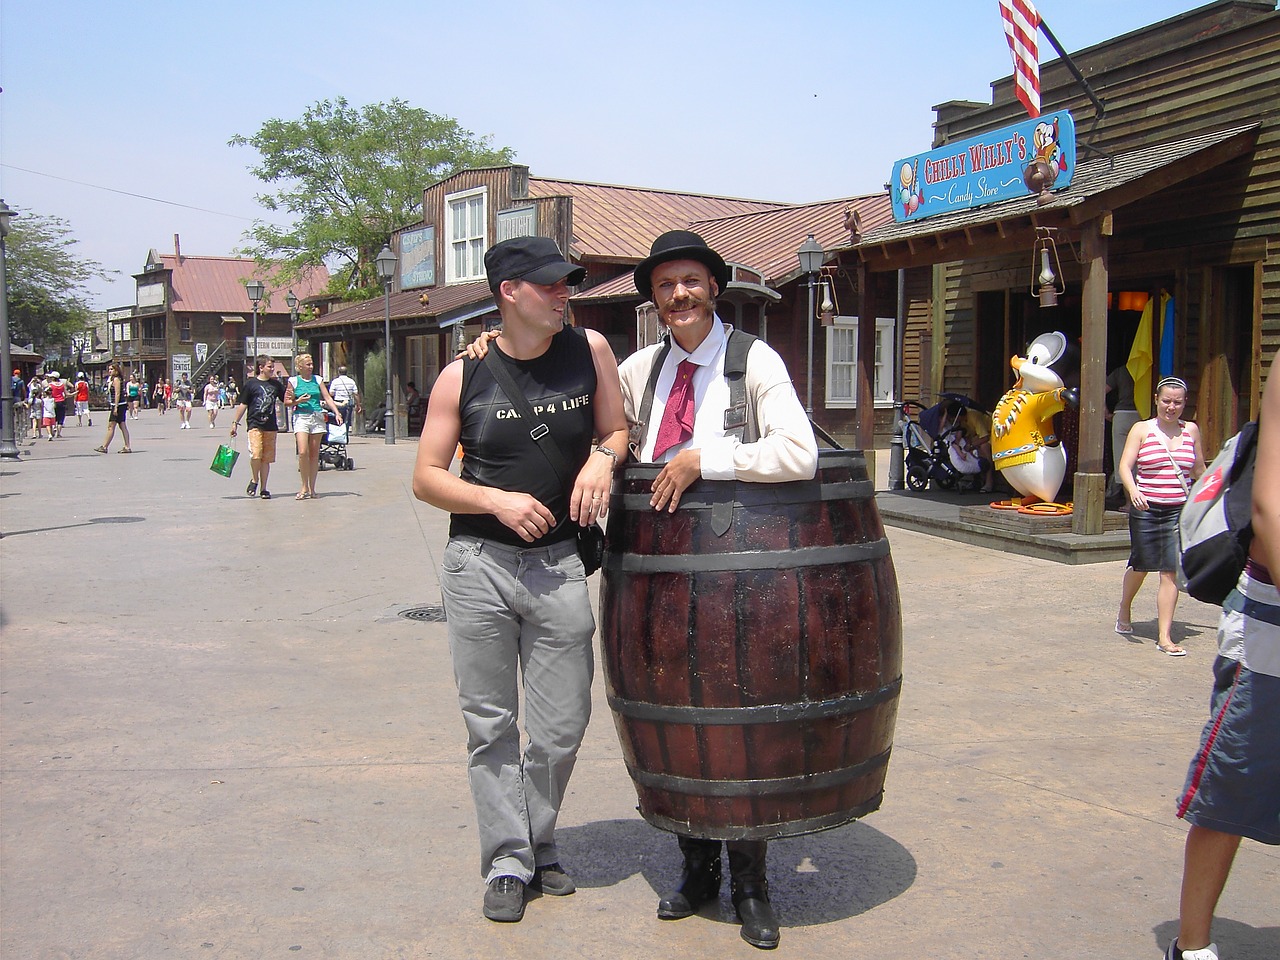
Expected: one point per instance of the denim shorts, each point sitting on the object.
(1153, 538)
(1233, 783)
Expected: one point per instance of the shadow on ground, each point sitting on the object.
(1234, 939)
(819, 878)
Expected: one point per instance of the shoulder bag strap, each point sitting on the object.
(1177, 470)
(539, 431)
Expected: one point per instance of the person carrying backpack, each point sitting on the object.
(1232, 788)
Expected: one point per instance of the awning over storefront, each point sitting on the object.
(412, 312)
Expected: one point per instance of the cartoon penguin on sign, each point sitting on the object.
(1046, 138)
(1024, 446)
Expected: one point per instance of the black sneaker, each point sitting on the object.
(252, 488)
(504, 900)
(552, 880)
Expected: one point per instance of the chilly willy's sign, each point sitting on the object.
(984, 169)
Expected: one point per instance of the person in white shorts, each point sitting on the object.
(211, 401)
(308, 396)
(82, 400)
(185, 391)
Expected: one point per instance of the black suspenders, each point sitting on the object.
(735, 374)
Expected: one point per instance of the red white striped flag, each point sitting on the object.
(1021, 23)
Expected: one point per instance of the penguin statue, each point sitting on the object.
(1024, 446)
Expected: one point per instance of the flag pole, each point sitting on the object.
(1098, 105)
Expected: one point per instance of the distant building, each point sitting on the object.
(193, 315)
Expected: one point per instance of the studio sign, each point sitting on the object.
(984, 169)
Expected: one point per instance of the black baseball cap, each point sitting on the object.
(536, 259)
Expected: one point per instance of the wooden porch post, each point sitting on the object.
(866, 364)
(1090, 480)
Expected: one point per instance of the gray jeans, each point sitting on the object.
(519, 613)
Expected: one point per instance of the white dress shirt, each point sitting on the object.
(786, 448)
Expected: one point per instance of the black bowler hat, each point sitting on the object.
(536, 259)
(680, 245)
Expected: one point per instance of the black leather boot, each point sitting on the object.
(699, 881)
(750, 892)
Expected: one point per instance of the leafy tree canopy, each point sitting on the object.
(47, 299)
(348, 178)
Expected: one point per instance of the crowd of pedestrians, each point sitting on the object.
(269, 397)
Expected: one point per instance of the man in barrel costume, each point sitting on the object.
(685, 414)
(513, 584)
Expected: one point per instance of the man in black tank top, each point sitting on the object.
(514, 588)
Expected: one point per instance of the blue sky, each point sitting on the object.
(798, 101)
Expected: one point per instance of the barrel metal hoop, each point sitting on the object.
(756, 560)
(764, 713)
(756, 495)
(771, 831)
(757, 788)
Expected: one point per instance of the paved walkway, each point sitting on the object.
(218, 740)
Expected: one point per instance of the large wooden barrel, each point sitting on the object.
(753, 650)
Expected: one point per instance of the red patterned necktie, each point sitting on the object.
(677, 417)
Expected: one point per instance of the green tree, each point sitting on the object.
(348, 178)
(47, 297)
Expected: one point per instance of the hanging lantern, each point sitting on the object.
(1046, 283)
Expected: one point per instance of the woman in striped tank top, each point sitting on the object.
(1161, 458)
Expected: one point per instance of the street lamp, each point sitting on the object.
(254, 289)
(810, 256)
(386, 264)
(8, 449)
(292, 302)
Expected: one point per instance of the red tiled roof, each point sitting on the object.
(767, 240)
(216, 285)
(619, 223)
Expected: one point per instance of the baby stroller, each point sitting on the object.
(935, 446)
(333, 448)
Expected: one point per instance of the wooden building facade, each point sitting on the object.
(1176, 191)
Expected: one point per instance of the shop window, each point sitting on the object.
(466, 238)
(842, 363)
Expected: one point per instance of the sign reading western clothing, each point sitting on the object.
(984, 169)
(273, 346)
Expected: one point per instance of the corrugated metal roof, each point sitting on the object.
(1092, 177)
(618, 223)
(216, 285)
(766, 240)
(406, 305)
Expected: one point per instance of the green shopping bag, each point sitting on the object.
(224, 461)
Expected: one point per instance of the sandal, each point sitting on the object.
(265, 495)
(1173, 650)
(1124, 629)
(99, 449)
(124, 450)
(302, 496)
